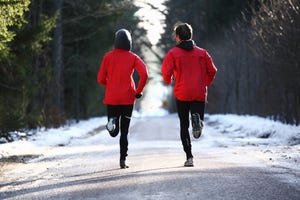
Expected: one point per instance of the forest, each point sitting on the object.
(50, 52)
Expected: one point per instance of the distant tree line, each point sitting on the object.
(255, 46)
(50, 52)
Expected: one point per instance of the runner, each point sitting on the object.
(115, 74)
(193, 70)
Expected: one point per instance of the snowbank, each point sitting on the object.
(253, 130)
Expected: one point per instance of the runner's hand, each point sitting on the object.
(138, 95)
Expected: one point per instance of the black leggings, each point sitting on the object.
(184, 108)
(123, 114)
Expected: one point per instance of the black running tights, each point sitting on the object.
(123, 114)
(184, 108)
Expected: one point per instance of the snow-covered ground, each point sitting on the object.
(275, 143)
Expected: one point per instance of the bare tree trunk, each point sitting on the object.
(77, 85)
(55, 111)
(58, 57)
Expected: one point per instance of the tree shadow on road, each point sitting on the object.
(164, 183)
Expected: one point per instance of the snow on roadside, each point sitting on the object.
(274, 143)
(277, 142)
(252, 130)
(46, 138)
(63, 135)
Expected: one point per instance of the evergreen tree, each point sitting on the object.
(25, 71)
(11, 17)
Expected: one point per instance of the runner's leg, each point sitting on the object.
(125, 122)
(183, 109)
(198, 107)
(113, 111)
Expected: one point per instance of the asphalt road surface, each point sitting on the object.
(156, 172)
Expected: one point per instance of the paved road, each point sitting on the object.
(156, 172)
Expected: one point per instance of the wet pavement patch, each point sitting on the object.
(19, 158)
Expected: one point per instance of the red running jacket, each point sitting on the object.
(193, 71)
(115, 74)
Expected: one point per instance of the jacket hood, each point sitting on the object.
(186, 45)
(123, 40)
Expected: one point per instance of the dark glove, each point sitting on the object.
(138, 95)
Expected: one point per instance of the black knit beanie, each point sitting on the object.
(123, 40)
